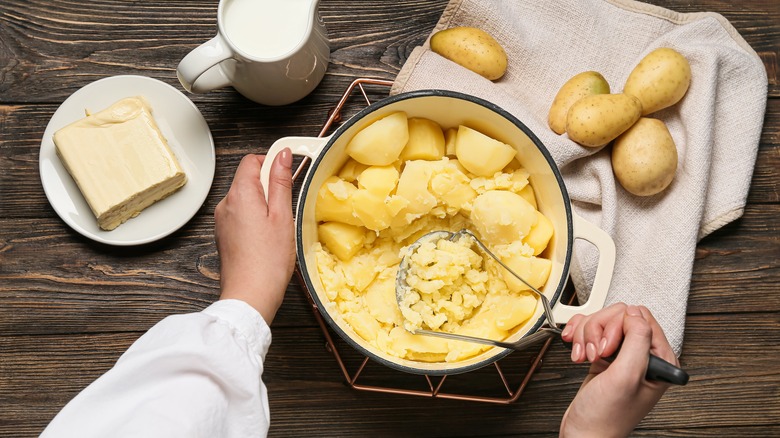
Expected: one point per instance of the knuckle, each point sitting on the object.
(283, 181)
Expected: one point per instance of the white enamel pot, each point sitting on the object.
(450, 109)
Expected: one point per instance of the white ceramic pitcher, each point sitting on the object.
(273, 52)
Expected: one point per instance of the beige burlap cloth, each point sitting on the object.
(716, 127)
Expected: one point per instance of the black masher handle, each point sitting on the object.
(658, 369)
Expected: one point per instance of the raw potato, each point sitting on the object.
(596, 120)
(480, 154)
(426, 141)
(644, 158)
(659, 80)
(381, 142)
(583, 84)
(473, 49)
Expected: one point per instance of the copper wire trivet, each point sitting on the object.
(430, 387)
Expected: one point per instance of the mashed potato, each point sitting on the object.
(368, 215)
(446, 283)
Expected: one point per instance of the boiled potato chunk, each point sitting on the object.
(360, 271)
(381, 302)
(418, 347)
(371, 209)
(598, 119)
(426, 140)
(460, 350)
(413, 186)
(659, 80)
(473, 49)
(513, 310)
(502, 217)
(452, 187)
(350, 170)
(381, 142)
(482, 325)
(449, 141)
(540, 234)
(380, 180)
(366, 326)
(480, 154)
(343, 240)
(583, 84)
(644, 158)
(528, 194)
(334, 202)
(456, 163)
(533, 270)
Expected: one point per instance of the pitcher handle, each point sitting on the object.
(199, 71)
(598, 295)
(308, 146)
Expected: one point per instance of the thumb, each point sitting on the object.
(635, 352)
(280, 182)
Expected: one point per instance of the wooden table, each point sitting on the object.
(69, 307)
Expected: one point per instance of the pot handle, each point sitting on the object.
(598, 294)
(308, 146)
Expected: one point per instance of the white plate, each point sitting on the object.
(188, 136)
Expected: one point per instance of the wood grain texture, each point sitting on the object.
(69, 307)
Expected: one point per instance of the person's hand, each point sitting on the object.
(255, 239)
(614, 397)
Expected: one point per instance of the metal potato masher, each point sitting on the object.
(657, 368)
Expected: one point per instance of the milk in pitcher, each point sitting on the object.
(267, 28)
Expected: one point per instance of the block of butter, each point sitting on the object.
(120, 161)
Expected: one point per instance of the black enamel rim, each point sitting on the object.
(307, 185)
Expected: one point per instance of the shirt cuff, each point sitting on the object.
(245, 320)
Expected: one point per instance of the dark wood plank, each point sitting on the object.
(372, 40)
(70, 307)
(724, 392)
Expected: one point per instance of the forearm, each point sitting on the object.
(190, 375)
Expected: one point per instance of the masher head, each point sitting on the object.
(402, 287)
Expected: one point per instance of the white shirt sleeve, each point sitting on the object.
(193, 375)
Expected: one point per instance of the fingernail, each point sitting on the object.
(590, 351)
(285, 158)
(633, 311)
(576, 350)
(566, 331)
(602, 346)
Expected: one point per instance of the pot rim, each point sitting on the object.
(306, 185)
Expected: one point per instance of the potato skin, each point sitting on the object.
(644, 158)
(660, 79)
(598, 119)
(473, 49)
(580, 85)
